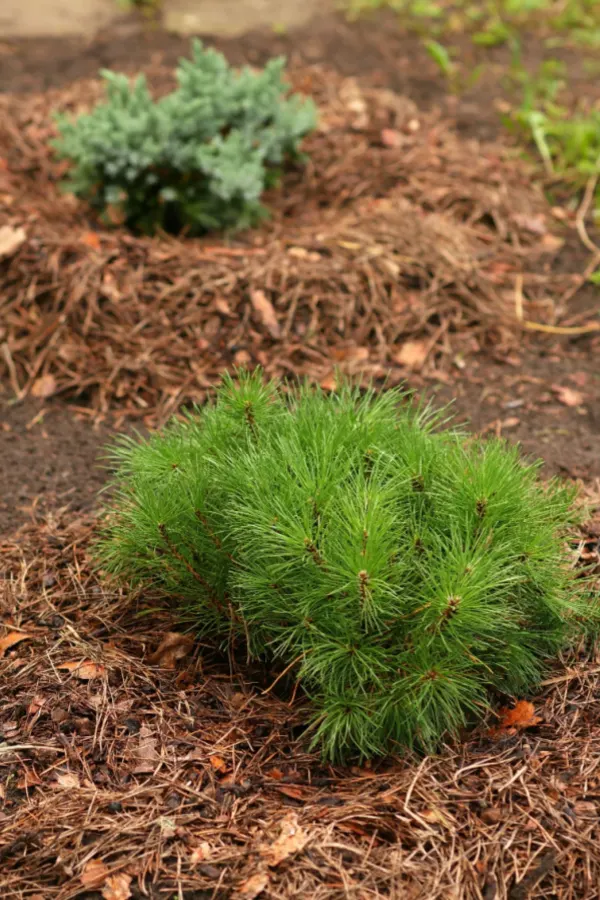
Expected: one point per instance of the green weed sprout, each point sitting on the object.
(197, 159)
(401, 571)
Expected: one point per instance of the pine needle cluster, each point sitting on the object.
(400, 570)
(199, 158)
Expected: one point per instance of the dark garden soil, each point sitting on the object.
(52, 451)
(409, 250)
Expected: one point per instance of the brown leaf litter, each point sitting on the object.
(394, 247)
(130, 786)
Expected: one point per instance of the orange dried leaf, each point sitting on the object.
(266, 312)
(329, 383)
(11, 640)
(200, 853)
(67, 780)
(36, 704)
(392, 138)
(44, 387)
(84, 670)
(522, 715)
(254, 886)
(11, 239)
(290, 791)
(437, 816)
(292, 840)
(412, 354)
(568, 396)
(91, 239)
(94, 874)
(28, 779)
(353, 828)
(218, 764)
(117, 887)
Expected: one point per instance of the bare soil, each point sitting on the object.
(53, 455)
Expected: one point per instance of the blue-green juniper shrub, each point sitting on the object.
(199, 158)
(402, 570)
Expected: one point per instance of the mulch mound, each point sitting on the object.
(398, 230)
(136, 764)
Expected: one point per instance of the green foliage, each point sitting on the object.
(147, 7)
(567, 141)
(400, 571)
(199, 158)
(493, 22)
(440, 56)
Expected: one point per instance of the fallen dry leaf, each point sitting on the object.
(94, 874)
(295, 793)
(392, 138)
(412, 354)
(522, 715)
(493, 815)
(551, 243)
(218, 764)
(437, 817)
(303, 253)
(11, 239)
(568, 396)
(355, 355)
(329, 383)
(147, 753)
(84, 670)
(28, 779)
(173, 647)
(353, 828)
(44, 387)
(253, 886)
(533, 224)
(291, 840)
(67, 780)
(266, 312)
(91, 239)
(11, 640)
(36, 704)
(200, 853)
(117, 887)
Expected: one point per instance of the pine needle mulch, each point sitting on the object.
(136, 764)
(397, 231)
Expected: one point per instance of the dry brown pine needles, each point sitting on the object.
(397, 230)
(117, 775)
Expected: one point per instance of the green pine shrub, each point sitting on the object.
(199, 158)
(401, 570)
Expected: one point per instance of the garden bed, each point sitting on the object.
(397, 231)
(403, 251)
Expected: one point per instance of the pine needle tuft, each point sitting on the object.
(400, 570)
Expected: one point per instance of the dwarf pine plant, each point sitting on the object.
(199, 158)
(400, 570)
